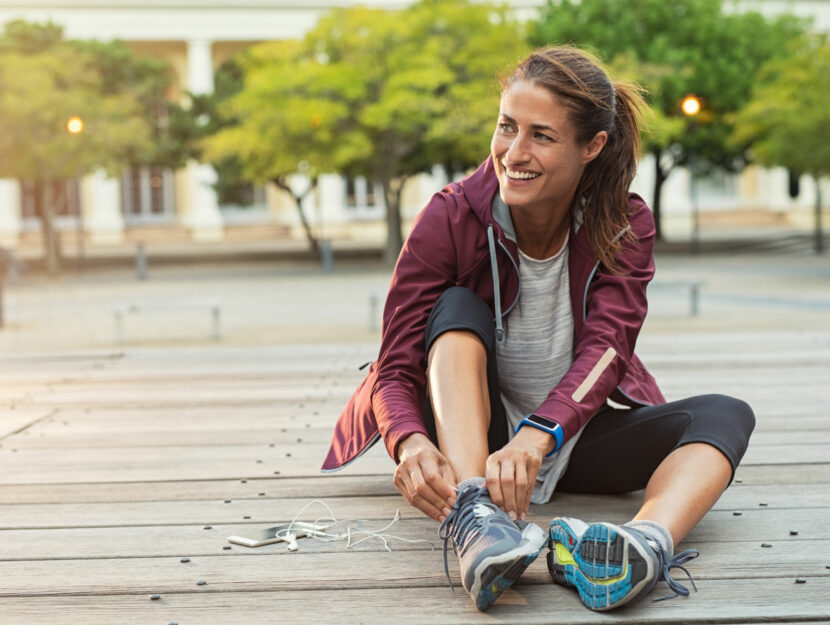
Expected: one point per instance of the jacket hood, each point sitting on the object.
(479, 188)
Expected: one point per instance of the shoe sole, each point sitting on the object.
(496, 574)
(607, 566)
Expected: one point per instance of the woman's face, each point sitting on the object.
(534, 149)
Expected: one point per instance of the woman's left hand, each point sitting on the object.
(511, 471)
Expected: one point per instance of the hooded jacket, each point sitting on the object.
(455, 241)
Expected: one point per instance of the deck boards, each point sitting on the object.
(112, 463)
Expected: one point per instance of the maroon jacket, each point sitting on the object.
(448, 246)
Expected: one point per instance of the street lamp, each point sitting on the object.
(691, 107)
(75, 125)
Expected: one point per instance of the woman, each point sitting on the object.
(510, 322)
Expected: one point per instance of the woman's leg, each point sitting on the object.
(457, 382)
(684, 454)
(685, 487)
(464, 416)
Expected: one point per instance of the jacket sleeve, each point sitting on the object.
(425, 269)
(615, 309)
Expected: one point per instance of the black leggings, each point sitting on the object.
(619, 448)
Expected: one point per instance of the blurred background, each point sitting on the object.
(179, 151)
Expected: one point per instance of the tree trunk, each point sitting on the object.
(45, 206)
(819, 234)
(298, 202)
(656, 206)
(394, 230)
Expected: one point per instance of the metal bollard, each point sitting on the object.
(327, 255)
(374, 302)
(140, 262)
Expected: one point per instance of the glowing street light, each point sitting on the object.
(691, 108)
(690, 105)
(75, 125)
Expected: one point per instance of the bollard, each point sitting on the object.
(327, 255)
(140, 261)
(374, 302)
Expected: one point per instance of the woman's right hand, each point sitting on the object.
(425, 477)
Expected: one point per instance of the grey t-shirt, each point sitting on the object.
(538, 349)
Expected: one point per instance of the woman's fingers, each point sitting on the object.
(427, 481)
(522, 491)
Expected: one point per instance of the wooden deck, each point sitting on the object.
(116, 466)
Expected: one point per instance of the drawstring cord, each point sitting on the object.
(494, 268)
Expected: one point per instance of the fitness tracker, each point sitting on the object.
(546, 425)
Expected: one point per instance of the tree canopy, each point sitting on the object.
(675, 48)
(46, 80)
(787, 121)
(382, 94)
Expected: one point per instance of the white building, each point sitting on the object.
(195, 37)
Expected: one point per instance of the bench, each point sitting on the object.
(693, 287)
(122, 310)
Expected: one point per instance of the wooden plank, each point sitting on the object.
(238, 570)
(282, 431)
(754, 480)
(20, 417)
(321, 486)
(266, 499)
(203, 463)
(762, 600)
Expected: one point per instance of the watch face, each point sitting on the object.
(545, 423)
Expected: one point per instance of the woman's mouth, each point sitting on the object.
(514, 174)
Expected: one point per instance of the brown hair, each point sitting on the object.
(579, 80)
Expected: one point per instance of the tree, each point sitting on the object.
(787, 122)
(46, 80)
(380, 94)
(674, 48)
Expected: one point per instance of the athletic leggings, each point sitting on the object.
(619, 448)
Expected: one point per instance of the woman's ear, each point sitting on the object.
(594, 147)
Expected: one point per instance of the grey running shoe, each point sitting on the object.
(492, 550)
(611, 565)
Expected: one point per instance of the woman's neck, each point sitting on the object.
(541, 235)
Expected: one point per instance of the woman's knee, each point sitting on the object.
(459, 309)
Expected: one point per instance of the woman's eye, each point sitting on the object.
(505, 127)
(543, 137)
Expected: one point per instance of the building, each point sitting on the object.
(195, 37)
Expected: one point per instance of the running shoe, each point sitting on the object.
(611, 565)
(492, 550)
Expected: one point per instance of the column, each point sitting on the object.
(10, 220)
(201, 208)
(101, 206)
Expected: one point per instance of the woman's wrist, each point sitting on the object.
(538, 439)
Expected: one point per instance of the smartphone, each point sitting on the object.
(279, 533)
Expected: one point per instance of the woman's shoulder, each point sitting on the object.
(640, 216)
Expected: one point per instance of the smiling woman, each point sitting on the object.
(511, 321)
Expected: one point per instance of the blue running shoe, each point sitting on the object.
(492, 550)
(611, 565)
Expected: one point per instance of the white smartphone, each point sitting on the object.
(280, 533)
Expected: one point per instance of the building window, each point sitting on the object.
(147, 194)
(363, 198)
(66, 198)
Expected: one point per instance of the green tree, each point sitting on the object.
(674, 48)
(787, 122)
(46, 80)
(382, 94)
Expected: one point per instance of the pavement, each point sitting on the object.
(270, 300)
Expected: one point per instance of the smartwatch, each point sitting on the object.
(546, 425)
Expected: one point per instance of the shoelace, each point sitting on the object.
(677, 562)
(459, 522)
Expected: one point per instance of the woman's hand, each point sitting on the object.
(424, 477)
(511, 471)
